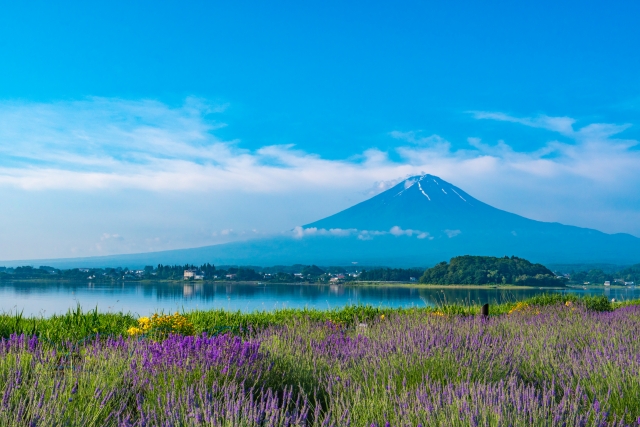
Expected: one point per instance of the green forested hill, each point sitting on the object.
(481, 270)
(390, 274)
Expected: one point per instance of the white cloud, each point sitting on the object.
(370, 234)
(434, 142)
(300, 232)
(452, 233)
(107, 236)
(397, 231)
(563, 125)
(118, 144)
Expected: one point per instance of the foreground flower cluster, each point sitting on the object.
(552, 366)
(162, 325)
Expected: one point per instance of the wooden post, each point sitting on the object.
(485, 310)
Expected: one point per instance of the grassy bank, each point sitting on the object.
(77, 324)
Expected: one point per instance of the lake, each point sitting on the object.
(46, 298)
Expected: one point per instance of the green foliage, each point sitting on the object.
(598, 274)
(482, 270)
(630, 274)
(312, 270)
(597, 303)
(215, 321)
(390, 274)
(176, 272)
(552, 299)
(594, 276)
(241, 273)
(539, 280)
(76, 325)
(460, 270)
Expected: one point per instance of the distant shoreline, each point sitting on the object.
(257, 283)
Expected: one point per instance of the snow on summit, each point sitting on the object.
(431, 188)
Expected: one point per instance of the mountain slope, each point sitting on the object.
(419, 222)
(414, 203)
(452, 222)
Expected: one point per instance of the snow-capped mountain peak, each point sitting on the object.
(432, 188)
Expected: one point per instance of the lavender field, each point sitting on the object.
(556, 365)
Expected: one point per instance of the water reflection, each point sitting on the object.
(55, 297)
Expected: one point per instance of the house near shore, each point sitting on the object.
(192, 274)
(607, 283)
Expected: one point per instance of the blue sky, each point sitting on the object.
(155, 125)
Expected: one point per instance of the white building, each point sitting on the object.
(193, 274)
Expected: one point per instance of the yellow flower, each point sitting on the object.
(134, 331)
(521, 306)
(162, 325)
(382, 317)
(144, 323)
(524, 307)
(568, 303)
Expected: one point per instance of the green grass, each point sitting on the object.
(77, 325)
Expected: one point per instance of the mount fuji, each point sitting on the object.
(419, 222)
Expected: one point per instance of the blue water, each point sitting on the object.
(53, 297)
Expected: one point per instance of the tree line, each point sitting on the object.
(391, 274)
(281, 274)
(598, 276)
(472, 270)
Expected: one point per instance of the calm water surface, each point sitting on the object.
(52, 297)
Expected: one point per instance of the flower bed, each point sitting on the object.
(561, 364)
